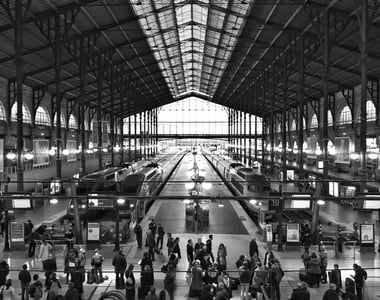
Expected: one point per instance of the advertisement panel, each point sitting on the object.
(366, 234)
(293, 232)
(93, 231)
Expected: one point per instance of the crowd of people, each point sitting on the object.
(206, 273)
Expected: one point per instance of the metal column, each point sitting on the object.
(112, 115)
(283, 118)
(99, 112)
(82, 78)
(58, 54)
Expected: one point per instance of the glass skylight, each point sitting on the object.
(192, 41)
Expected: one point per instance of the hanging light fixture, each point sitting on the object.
(11, 155)
(29, 155)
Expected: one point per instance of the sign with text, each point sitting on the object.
(293, 232)
(17, 232)
(93, 231)
(367, 232)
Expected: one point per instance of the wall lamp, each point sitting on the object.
(355, 156)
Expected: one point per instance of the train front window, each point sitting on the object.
(132, 184)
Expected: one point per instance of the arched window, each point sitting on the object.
(314, 122)
(293, 126)
(42, 117)
(26, 118)
(3, 115)
(345, 116)
(330, 120)
(63, 122)
(73, 124)
(371, 111)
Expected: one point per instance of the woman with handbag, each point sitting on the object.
(130, 283)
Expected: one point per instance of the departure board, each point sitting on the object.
(100, 203)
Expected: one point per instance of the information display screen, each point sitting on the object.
(366, 234)
(99, 202)
(371, 204)
(293, 232)
(17, 232)
(22, 203)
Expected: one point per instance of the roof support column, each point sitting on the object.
(229, 132)
(19, 40)
(121, 123)
(256, 150)
(156, 127)
(99, 112)
(58, 68)
(250, 132)
(283, 117)
(245, 133)
(363, 94)
(272, 119)
(112, 114)
(82, 78)
(301, 96)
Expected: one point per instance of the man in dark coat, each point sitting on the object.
(77, 278)
(72, 293)
(138, 232)
(301, 292)
(253, 248)
(331, 293)
(25, 278)
(160, 237)
(4, 271)
(120, 264)
(50, 266)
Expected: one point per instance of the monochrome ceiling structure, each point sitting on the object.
(231, 52)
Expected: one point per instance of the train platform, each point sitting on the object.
(229, 224)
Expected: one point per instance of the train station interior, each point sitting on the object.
(228, 122)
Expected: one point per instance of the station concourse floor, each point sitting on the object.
(229, 225)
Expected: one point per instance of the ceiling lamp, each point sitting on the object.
(11, 155)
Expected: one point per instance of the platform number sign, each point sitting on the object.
(276, 203)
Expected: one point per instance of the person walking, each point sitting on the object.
(120, 264)
(97, 262)
(221, 257)
(170, 243)
(25, 279)
(71, 293)
(160, 236)
(209, 247)
(31, 239)
(138, 231)
(8, 291)
(130, 283)
(170, 281)
(36, 291)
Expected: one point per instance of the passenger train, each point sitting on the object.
(245, 181)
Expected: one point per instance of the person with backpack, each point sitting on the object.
(54, 287)
(25, 278)
(35, 290)
(360, 277)
(96, 262)
(275, 276)
(245, 280)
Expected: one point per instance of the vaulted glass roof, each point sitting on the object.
(192, 40)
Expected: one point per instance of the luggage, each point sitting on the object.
(161, 257)
(90, 276)
(142, 292)
(120, 283)
(302, 275)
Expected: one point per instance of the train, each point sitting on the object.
(246, 181)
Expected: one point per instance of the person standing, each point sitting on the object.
(153, 228)
(314, 271)
(28, 227)
(152, 294)
(275, 276)
(331, 293)
(301, 292)
(245, 280)
(160, 236)
(45, 250)
(253, 248)
(77, 278)
(151, 242)
(209, 247)
(120, 264)
(146, 261)
(138, 231)
(54, 287)
(221, 257)
(25, 279)
(360, 277)
(31, 239)
(190, 252)
(306, 258)
(176, 248)
(36, 291)
(170, 243)
(69, 237)
(170, 281)
(196, 285)
(336, 277)
(72, 293)
(50, 267)
(97, 262)
(323, 258)
(4, 271)
(8, 290)
(130, 283)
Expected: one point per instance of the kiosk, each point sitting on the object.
(17, 236)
